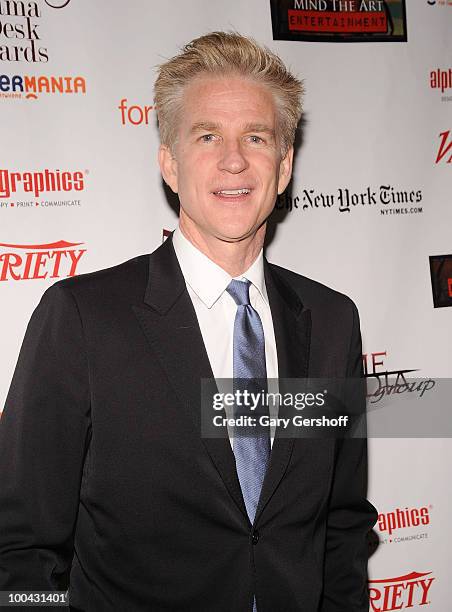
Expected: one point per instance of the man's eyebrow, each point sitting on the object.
(209, 126)
(259, 127)
(205, 126)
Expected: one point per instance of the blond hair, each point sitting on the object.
(220, 54)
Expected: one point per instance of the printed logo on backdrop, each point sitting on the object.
(385, 200)
(407, 591)
(441, 80)
(19, 262)
(441, 277)
(43, 189)
(22, 38)
(374, 366)
(384, 382)
(339, 20)
(57, 4)
(404, 525)
(135, 114)
(444, 153)
(19, 86)
(165, 234)
(439, 3)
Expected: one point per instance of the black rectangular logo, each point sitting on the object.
(339, 20)
(441, 275)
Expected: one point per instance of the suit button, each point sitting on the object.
(255, 537)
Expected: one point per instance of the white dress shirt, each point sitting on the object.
(215, 308)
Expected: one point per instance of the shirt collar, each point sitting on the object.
(207, 279)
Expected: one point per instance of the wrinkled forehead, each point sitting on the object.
(227, 99)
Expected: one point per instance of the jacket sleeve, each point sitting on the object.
(350, 515)
(44, 433)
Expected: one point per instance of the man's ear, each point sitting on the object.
(285, 170)
(168, 167)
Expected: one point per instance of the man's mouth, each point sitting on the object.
(231, 193)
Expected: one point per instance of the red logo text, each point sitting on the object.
(402, 518)
(136, 115)
(400, 593)
(39, 261)
(441, 79)
(39, 182)
(445, 147)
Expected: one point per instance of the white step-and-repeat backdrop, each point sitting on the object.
(368, 211)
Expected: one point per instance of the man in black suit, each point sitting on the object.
(107, 486)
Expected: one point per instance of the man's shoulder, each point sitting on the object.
(314, 295)
(128, 278)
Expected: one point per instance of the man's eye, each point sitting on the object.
(256, 139)
(207, 137)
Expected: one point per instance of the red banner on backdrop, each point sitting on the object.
(329, 21)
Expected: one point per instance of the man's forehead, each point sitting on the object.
(214, 101)
(223, 92)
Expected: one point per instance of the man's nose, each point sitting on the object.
(232, 158)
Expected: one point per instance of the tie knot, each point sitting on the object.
(239, 291)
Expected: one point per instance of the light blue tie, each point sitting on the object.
(251, 452)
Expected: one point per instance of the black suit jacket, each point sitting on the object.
(104, 474)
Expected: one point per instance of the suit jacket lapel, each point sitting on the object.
(292, 326)
(170, 324)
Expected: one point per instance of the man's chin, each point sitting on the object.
(237, 234)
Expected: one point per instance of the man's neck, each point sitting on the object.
(234, 257)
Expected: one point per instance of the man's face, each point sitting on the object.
(226, 165)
